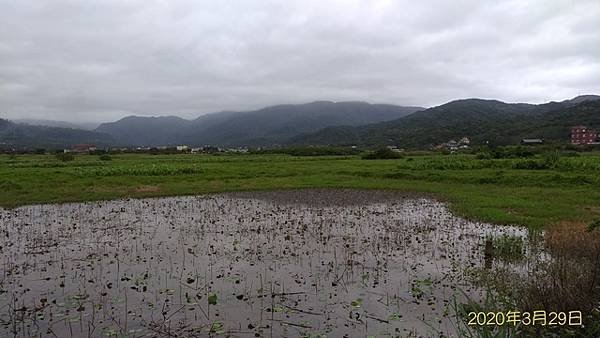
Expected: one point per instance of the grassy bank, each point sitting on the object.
(519, 191)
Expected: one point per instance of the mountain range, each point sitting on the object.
(263, 127)
(25, 136)
(327, 123)
(57, 123)
(483, 121)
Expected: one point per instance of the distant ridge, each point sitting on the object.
(23, 136)
(138, 130)
(330, 123)
(266, 126)
(55, 123)
(583, 98)
(484, 121)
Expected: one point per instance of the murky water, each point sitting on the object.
(316, 263)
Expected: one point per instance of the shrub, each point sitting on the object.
(65, 157)
(105, 157)
(530, 165)
(505, 152)
(551, 158)
(484, 156)
(382, 154)
(506, 247)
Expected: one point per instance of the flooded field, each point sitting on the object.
(336, 263)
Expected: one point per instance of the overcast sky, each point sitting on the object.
(101, 60)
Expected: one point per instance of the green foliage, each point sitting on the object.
(530, 165)
(551, 158)
(507, 152)
(309, 151)
(212, 299)
(382, 154)
(491, 303)
(65, 157)
(105, 157)
(489, 190)
(486, 155)
(507, 248)
(140, 170)
(8, 185)
(569, 153)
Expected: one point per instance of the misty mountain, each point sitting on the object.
(138, 130)
(481, 120)
(267, 126)
(55, 123)
(329, 123)
(24, 136)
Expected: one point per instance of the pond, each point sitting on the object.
(336, 263)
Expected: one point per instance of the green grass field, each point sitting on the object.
(492, 190)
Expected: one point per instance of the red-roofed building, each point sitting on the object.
(83, 148)
(584, 135)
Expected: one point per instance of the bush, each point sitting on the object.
(504, 152)
(484, 156)
(530, 165)
(105, 157)
(382, 154)
(551, 158)
(65, 157)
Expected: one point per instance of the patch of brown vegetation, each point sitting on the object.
(593, 209)
(147, 188)
(573, 240)
(570, 280)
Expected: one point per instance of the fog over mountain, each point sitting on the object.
(98, 61)
(60, 124)
(263, 127)
(329, 123)
(16, 136)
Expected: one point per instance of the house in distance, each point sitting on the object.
(584, 135)
(81, 148)
(532, 141)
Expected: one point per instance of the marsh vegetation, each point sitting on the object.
(290, 263)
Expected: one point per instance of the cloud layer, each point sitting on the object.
(101, 60)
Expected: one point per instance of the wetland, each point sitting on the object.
(311, 263)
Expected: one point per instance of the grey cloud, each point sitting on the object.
(101, 60)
